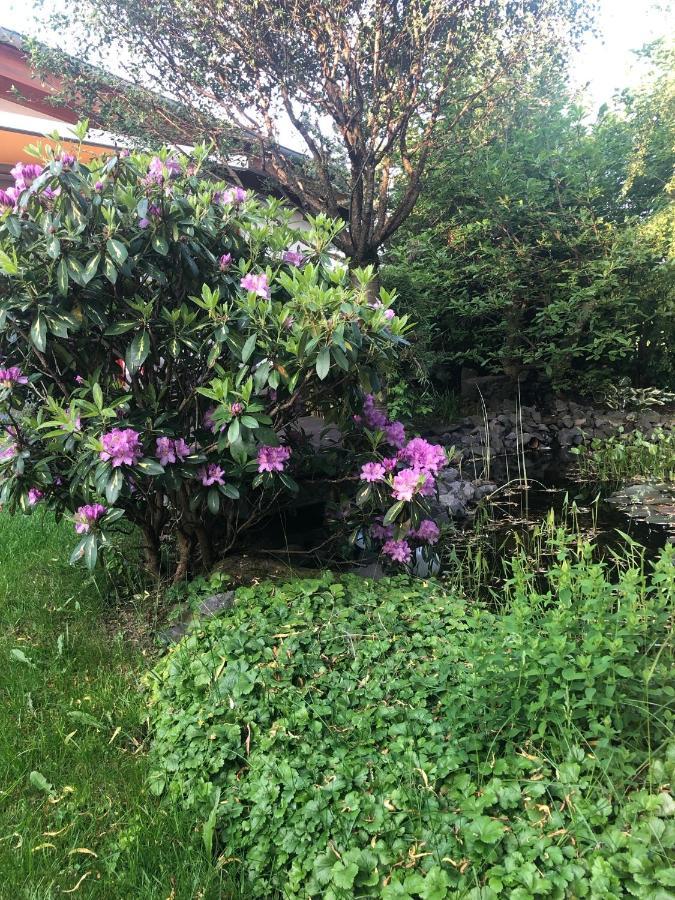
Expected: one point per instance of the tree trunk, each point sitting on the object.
(151, 550)
(184, 543)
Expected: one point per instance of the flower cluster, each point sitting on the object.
(293, 257)
(211, 474)
(24, 174)
(10, 376)
(122, 446)
(257, 284)
(88, 515)
(373, 418)
(225, 261)
(273, 459)
(171, 450)
(35, 495)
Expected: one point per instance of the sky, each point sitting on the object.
(604, 64)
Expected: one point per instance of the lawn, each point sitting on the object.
(75, 813)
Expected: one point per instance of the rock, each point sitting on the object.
(570, 437)
(207, 609)
(372, 570)
(484, 490)
(447, 476)
(650, 502)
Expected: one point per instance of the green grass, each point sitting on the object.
(71, 709)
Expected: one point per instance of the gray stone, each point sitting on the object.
(207, 609)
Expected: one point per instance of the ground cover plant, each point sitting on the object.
(340, 737)
(159, 337)
(75, 811)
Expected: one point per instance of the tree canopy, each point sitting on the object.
(362, 83)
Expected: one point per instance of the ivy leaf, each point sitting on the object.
(344, 875)
(117, 251)
(137, 352)
(323, 363)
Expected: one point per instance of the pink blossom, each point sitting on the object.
(427, 531)
(273, 459)
(225, 261)
(211, 474)
(98, 186)
(181, 449)
(79, 379)
(234, 195)
(398, 551)
(165, 451)
(389, 463)
(24, 174)
(256, 283)
(11, 376)
(173, 167)
(408, 483)
(35, 495)
(88, 515)
(394, 434)
(293, 257)
(372, 471)
(237, 408)
(67, 160)
(6, 200)
(420, 454)
(122, 446)
(143, 223)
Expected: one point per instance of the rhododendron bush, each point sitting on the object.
(160, 334)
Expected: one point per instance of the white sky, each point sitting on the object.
(605, 64)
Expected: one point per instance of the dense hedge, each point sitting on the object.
(343, 738)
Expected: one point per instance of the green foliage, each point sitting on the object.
(347, 738)
(614, 460)
(75, 807)
(541, 243)
(124, 302)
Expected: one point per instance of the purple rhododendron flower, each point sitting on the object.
(372, 471)
(390, 463)
(165, 451)
(211, 474)
(24, 174)
(398, 551)
(293, 257)
(35, 495)
(11, 376)
(273, 459)
(389, 314)
(234, 195)
(225, 261)
(79, 379)
(143, 223)
(427, 531)
(6, 200)
(237, 408)
(173, 167)
(88, 515)
(98, 186)
(420, 454)
(373, 417)
(394, 434)
(382, 532)
(122, 446)
(67, 160)
(407, 483)
(181, 449)
(256, 283)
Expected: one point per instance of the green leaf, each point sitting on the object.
(160, 244)
(120, 327)
(363, 494)
(213, 501)
(21, 657)
(54, 247)
(114, 486)
(39, 782)
(38, 332)
(62, 277)
(248, 347)
(7, 264)
(233, 431)
(344, 875)
(110, 270)
(323, 363)
(150, 467)
(210, 824)
(249, 422)
(90, 551)
(137, 352)
(75, 270)
(91, 269)
(98, 396)
(393, 512)
(117, 251)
